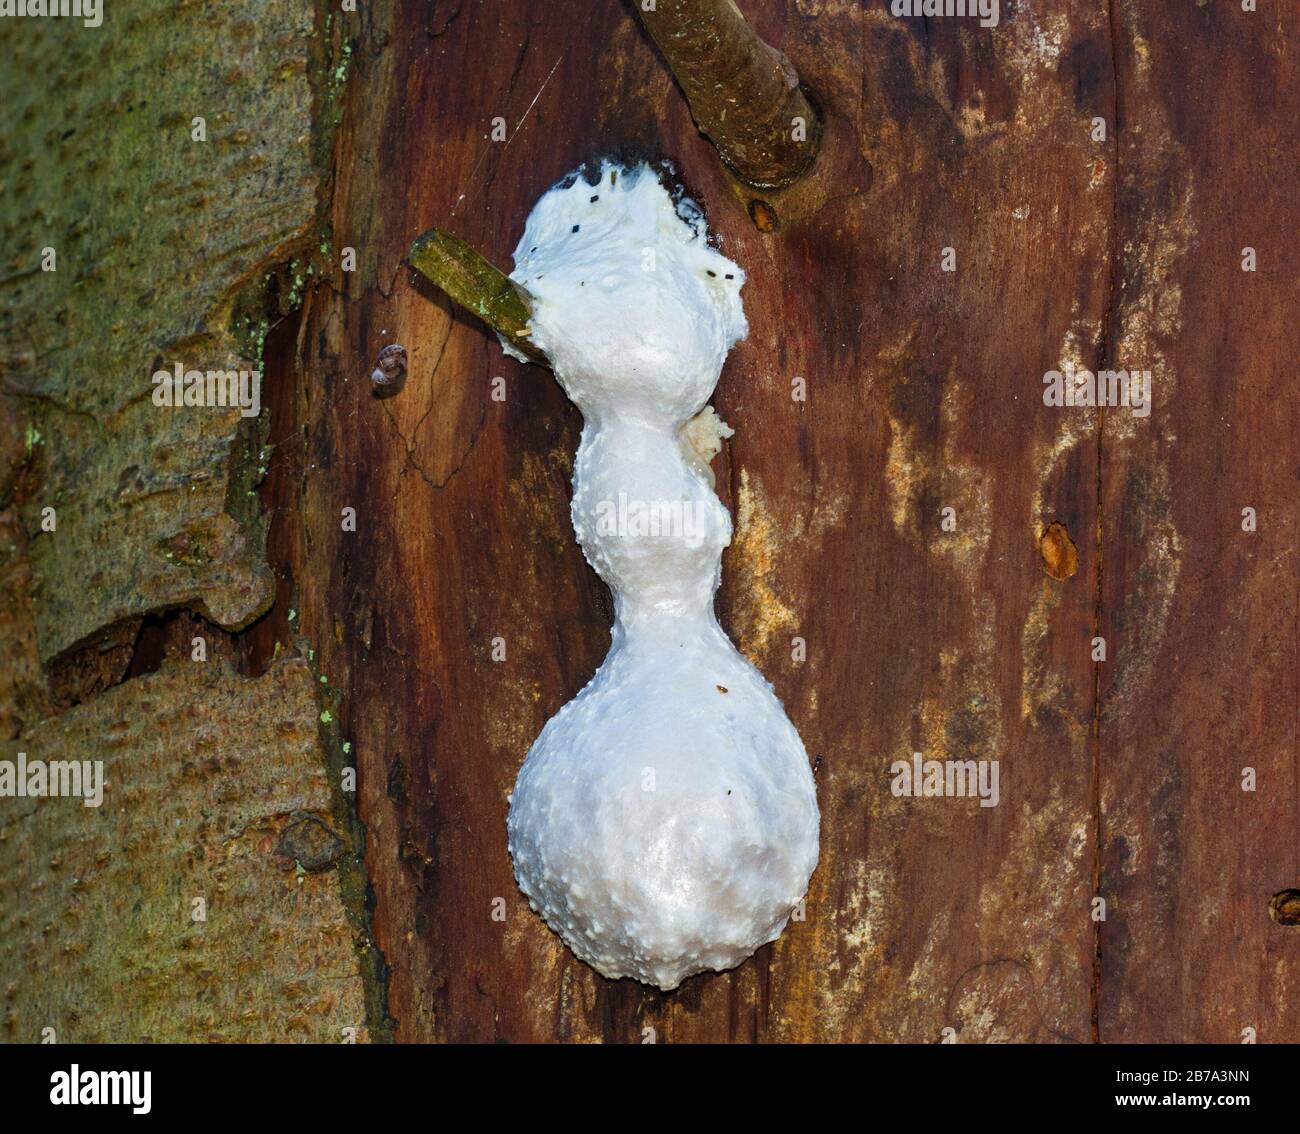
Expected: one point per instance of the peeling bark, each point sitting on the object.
(163, 246)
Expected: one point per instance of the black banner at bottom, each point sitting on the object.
(344, 1082)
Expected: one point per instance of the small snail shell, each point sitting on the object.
(389, 374)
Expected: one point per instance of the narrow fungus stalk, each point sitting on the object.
(743, 93)
(455, 267)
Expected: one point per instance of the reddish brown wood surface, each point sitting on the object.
(1204, 615)
(924, 393)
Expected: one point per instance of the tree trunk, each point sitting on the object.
(926, 554)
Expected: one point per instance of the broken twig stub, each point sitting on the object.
(472, 282)
(743, 93)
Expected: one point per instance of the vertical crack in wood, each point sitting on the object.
(1109, 335)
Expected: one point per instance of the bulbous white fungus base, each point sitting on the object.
(665, 821)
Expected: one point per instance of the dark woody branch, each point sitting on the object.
(743, 93)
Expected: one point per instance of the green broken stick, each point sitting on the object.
(455, 267)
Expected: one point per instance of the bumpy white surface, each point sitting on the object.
(665, 821)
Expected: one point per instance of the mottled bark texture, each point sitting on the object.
(162, 180)
(207, 898)
(162, 247)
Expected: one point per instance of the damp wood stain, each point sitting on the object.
(1060, 556)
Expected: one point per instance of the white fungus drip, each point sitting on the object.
(665, 821)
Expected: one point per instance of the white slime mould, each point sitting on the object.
(665, 821)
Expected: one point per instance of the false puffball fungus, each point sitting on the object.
(665, 821)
